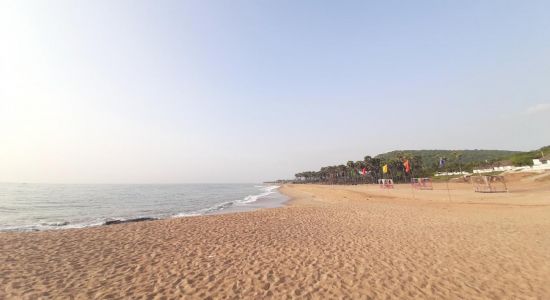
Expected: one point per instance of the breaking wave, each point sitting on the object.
(229, 206)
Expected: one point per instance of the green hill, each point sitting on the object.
(423, 163)
(526, 158)
(464, 159)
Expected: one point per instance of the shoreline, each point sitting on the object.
(270, 199)
(326, 241)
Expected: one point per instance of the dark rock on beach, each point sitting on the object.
(113, 222)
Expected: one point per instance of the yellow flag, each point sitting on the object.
(385, 169)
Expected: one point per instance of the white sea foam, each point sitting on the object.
(192, 214)
(94, 205)
(52, 226)
(268, 190)
(205, 211)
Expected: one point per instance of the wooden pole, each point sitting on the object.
(412, 188)
(448, 191)
(448, 179)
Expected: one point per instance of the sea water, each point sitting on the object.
(31, 207)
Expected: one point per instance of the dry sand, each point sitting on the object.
(329, 242)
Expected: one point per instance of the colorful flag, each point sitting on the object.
(441, 162)
(385, 168)
(407, 166)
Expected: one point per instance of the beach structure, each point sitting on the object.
(385, 183)
(489, 184)
(422, 183)
(451, 173)
(542, 163)
(539, 165)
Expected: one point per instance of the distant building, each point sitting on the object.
(541, 164)
(451, 173)
(481, 171)
(503, 168)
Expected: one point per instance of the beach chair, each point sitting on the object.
(422, 183)
(385, 183)
(489, 184)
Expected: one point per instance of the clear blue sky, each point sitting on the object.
(245, 91)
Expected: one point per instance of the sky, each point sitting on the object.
(246, 91)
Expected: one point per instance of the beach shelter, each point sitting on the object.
(385, 183)
(422, 183)
(489, 184)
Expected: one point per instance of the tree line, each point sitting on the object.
(368, 170)
(423, 163)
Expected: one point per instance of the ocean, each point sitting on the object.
(33, 207)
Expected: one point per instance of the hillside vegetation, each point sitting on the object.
(455, 159)
(423, 163)
(526, 158)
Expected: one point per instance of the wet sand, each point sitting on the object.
(328, 242)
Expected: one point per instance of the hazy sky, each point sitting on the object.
(245, 91)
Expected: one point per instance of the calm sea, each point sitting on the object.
(28, 207)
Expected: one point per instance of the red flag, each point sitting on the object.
(407, 166)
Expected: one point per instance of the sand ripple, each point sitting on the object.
(331, 242)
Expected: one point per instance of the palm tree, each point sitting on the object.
(416, 166)
(351, 168)
(373, 166)
(458, 157)
(340, 172)
(376, 165)
(359, 165)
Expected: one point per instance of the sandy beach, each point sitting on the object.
(328, 242)
(234, 150)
